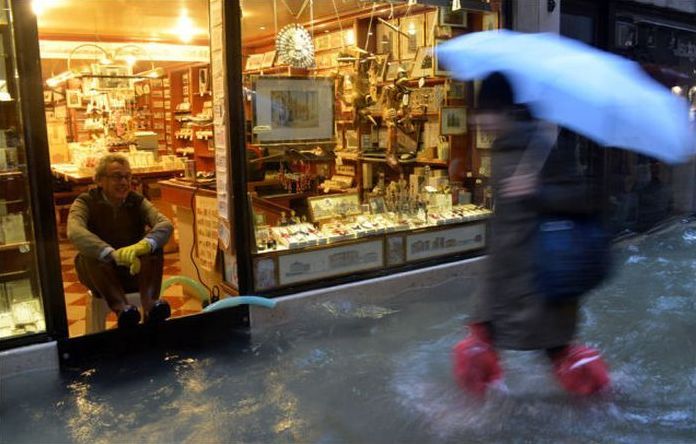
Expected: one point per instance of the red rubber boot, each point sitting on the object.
(475, 361)
(580, 369)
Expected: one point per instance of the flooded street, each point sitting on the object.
(382, 374)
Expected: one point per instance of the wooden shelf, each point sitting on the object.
(12, 173)
(14, 246)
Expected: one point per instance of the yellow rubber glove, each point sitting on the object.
(128, 256)
(135, 266)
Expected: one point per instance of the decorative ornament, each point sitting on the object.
(295, 47)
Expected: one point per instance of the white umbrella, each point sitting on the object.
(600, 95)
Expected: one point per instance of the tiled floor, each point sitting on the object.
(76, 293)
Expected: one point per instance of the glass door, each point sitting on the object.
(21, 306)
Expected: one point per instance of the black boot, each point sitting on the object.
(129, 317)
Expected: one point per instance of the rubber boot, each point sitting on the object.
(580, 369)
(476, 363)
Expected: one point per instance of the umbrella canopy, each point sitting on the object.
(600, 95)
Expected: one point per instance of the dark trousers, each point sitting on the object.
(112, 282)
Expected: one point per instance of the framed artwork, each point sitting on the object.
(392, 70)
(336, 40)
(439, 69)
(73, 98)
(431, 21)
(414, 28)
(484, 140)
(453, 120)
(321, 42)
(456, 90)
(490, 21)
(293, 108)
(327, 207)
(254, 61)
(423, 65)
(48, 96)
(396, 250)
(377, 205)
(265, 273)
(268, 59)
(387, 41)
(114, 76)
(455, 19)
(407, 66)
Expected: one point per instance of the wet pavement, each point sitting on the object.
(353, 374)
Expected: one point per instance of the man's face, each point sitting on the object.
(117, 182)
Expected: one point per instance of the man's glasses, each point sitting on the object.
(120, 177)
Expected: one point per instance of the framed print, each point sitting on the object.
(396, 250)
(336, 40)
(254, 61)
(73, 98)
(455, 19)
(114, 76)
(431, 20)
(453, 120)
(387, 41)
(293, 108)
(265, 273)
(407, 66)
(490, 21)
(423, 65)
(377, 205)
(456, 90)
(48, 96)
(414, 28)
(321, 42)
(439, 69)
(392, 70)
(484, 140)
(329, 207)
(268, 59)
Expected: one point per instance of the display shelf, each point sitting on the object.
(14, 246)
(10, 174)
(14, 275)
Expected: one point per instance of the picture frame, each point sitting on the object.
(392, 70)
(439, 69)
(293, 108)
(455, 19)
(490, 22)
(115, 76)
(73, 98)
(377, 205)
(456, 90)
(322, 208)
(431, 25)
(268, 59)
(254, 62)
(423, 65)
(387, 41)
(484, 140)
(414, 27)
(453, 121)
(321, 42)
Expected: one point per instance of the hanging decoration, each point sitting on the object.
(295, 47)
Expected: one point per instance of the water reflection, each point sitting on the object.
(346, 379)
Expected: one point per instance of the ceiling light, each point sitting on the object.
(41, 6)
(185, 28)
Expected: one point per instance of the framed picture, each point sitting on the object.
(113, 76)
(321, 42)
(490, 21)
(396, 249)
(73, 98)
(293, 108)
(439, 69)
(48, 96)
(336, 40)
(431, 21)
(254, 61)
(377, 205)
(453, 120)
(456, 90)
(484, 140)
(387, 41)
(392, 70)
(455, 19)
(414, 28)
(328, 207)
(423, 65)
(268, 59)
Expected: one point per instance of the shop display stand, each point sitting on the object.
(191, 133)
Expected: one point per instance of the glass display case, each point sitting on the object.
(360, 152)
(21, 304)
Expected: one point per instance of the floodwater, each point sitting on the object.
(364, 374)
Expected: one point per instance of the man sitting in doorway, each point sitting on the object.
(119, 236)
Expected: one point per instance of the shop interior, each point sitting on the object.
(360, 150)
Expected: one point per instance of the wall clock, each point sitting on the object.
(295, 47)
